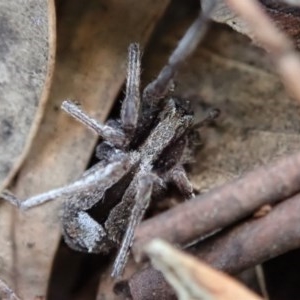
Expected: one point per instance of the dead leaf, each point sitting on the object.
(293, 2)
(91, 62)
(284, 16)
(223, 14)
(260, 122)
(191, 278)
(26, 65)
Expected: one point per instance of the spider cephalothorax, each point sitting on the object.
(139, 155)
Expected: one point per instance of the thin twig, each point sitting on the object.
(255, 241)
(238, 248)
(222, 206)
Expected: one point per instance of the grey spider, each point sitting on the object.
(139, 154)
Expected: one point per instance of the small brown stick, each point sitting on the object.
(222, 206)
(279, 46)
(256, 240)
(238, 248)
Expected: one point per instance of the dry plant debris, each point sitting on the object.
(191, 278)
(260, 122)
(273, 143)
(286, 17)
(132, 169)
(222, 206)
(90, 66)
(292, 2)
(239, 247)
(27, 47)
(258, 239)
(278, 45)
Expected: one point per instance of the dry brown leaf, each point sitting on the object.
(193, 279)
(223, 14)
(91, 62)
(284, 16)
(27, 45)
(258, 123)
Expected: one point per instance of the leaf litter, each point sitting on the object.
(259, 123)
(90, 67)
(26, 65)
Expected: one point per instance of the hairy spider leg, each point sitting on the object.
(141, 203)
(158, 88)
(113, 135)
(131, 104)
(10, 197)
(98, 174)
(212, 115)
(178, 176)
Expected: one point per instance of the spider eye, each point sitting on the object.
(183, 106)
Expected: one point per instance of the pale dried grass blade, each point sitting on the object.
(193, 279)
